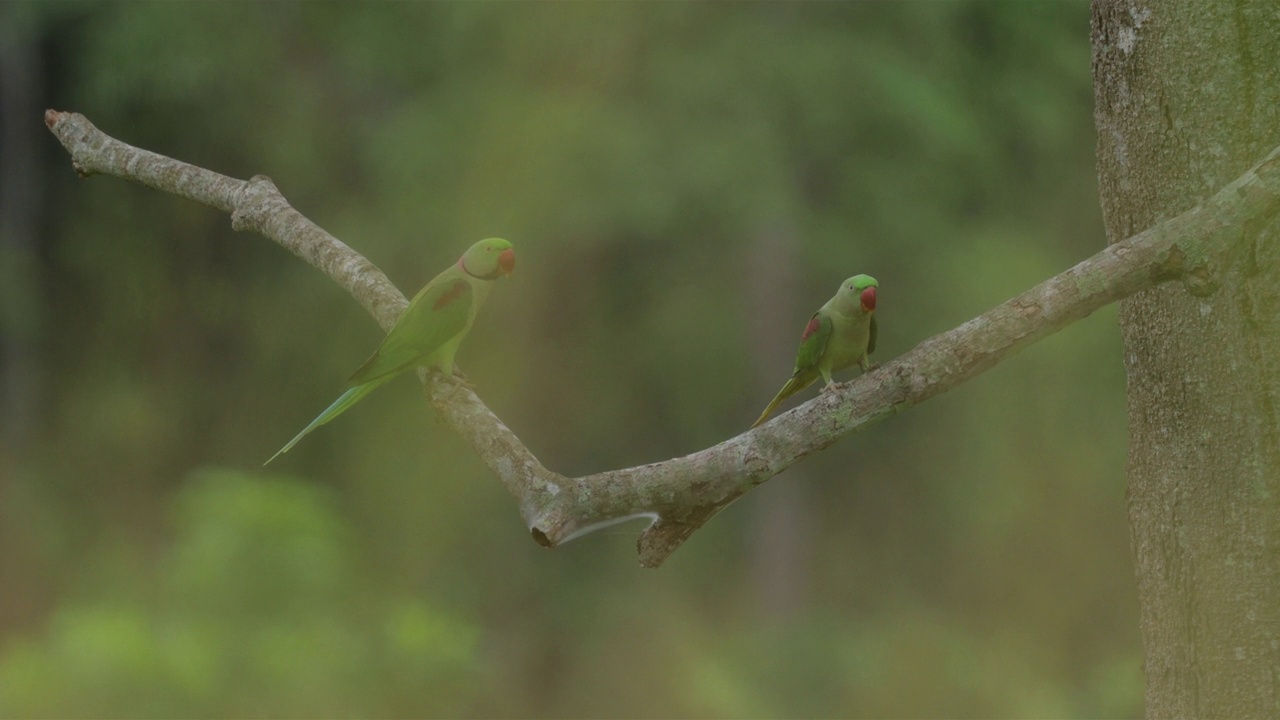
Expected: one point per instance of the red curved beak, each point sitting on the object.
(869, 299)
(507, 261)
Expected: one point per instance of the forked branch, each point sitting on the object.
(683, 493)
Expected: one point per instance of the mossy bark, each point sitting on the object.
(1187, 98)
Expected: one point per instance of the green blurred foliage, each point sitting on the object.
(969, 558)
(255, 607)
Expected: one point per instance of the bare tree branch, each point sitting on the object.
(681, 494)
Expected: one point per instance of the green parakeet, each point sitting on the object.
(429, 331)
(841, 333)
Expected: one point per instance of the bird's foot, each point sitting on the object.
(869, 368)
(459, 377)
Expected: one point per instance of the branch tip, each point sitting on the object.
(541, 538)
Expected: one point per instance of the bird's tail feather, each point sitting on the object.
(797, 383)
(344, 401)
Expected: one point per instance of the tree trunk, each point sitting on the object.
(1187, 98)
(21, 186)
(779, 538)
(22, 322)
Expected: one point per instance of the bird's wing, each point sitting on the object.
(813, 342)
(436, 315)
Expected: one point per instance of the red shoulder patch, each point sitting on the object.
(811, 328)
(453, 293)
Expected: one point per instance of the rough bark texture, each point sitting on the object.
(1187, 96)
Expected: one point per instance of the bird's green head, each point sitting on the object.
(489, 259)
(863, 288)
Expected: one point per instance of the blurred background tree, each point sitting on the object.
(684, 185)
